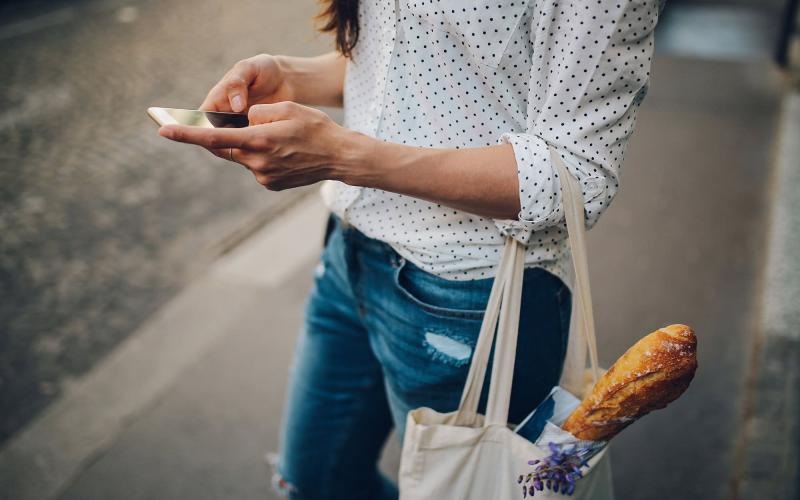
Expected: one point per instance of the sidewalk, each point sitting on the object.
(195, 394)
(187, 407)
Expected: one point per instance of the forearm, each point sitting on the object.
(481, 180)
(315, 81)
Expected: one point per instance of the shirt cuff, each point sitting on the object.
(539, 190)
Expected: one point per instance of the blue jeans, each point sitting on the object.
(382, 337)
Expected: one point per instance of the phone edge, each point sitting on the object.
(160, 116)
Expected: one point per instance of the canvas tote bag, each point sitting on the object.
(463, 455)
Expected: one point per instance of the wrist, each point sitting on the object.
(373, 163)
(355, 159)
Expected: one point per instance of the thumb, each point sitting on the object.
(236, 89)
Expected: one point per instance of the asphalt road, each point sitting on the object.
(102, 220)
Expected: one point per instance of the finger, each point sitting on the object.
(229, 154)
(266, 113)
(252, 160)
(243, 157)
(236, 93)
(237, 82)
(262, 179)
(231, 92)
(211, 138)
(219, 152)
(216, 100)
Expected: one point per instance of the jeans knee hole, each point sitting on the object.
(448, 349)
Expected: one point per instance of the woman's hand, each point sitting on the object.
(290, 145)
(266, 79)
(286, 145)
(256, 80)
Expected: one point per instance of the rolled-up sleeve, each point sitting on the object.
(590, 71)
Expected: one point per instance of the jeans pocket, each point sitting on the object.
(439, 296)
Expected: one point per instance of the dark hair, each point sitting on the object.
(340, 17)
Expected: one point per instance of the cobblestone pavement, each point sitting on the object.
(102, 220)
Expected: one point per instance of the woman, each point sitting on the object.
(449, 110)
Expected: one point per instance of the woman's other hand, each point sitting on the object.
(286, 145)
(256, 80)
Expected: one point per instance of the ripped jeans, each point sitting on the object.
(382, 337)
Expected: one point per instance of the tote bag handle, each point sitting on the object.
(503, 310)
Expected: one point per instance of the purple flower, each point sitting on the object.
(561, 469)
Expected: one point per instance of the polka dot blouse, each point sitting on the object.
(465, 73)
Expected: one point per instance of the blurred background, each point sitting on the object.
(149, 303)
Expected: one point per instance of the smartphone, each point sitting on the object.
(197, 118)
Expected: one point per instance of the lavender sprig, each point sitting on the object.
(561, 469)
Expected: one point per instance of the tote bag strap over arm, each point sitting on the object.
(503, 310)
(584, 314)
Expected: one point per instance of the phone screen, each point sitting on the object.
(197, 118)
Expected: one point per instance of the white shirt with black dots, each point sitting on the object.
(462, 74)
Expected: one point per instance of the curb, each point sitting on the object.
(768, 460)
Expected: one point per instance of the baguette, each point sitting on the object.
(650, 375)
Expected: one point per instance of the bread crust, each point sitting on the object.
(651, 374)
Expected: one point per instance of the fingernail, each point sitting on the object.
(236, 103)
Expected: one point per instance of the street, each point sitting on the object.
(103, 220)
(150, 308)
